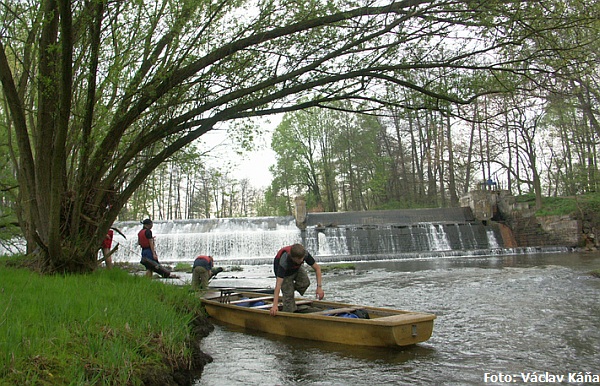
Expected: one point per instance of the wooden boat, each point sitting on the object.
(321, 320)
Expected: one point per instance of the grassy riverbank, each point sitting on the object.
(108, 327)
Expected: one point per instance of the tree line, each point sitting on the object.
(542, 143)
(539, 138)
(341, 160)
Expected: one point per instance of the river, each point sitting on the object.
(500, 320)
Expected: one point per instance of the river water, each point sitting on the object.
(499, 319)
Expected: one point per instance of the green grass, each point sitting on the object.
(560, 206)
(557, 206)
(183, 267)
(108, 327)
(335, 267)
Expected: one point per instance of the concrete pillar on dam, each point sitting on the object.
(483, 204)
(300, 212)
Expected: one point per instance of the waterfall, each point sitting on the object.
(362, 240)
(493, 243)
(224, 239)
(413, 239)
(438, 241)
(460, 237)
(332, 243)
(256, 240)
(357, 236)
(324, 248)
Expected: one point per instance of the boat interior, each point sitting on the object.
(263, 301)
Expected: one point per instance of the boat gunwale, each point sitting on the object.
(395, 317)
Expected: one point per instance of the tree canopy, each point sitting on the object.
(97, 94)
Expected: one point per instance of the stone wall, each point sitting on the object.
(591, 229)
(528, 229)
(533, 231)
(566, 230)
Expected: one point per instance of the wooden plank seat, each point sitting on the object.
(269, 305)
(334, 311)
(227, 291)
(263, 307)
(250, 300)
(221, 298)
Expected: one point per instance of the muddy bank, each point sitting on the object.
(184, 375)
(201, 327)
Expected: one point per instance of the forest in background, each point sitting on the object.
(539, 144)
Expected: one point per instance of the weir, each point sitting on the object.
(347, 236)
(231, 239)
(395, 232)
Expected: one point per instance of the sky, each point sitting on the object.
(252, 165)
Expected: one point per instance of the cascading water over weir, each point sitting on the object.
(347, 236)
(237, 240)
(398, 234)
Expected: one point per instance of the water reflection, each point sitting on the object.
(518, 314)
(259, 358)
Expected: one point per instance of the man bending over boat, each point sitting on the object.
(202, 270)
(291, 276)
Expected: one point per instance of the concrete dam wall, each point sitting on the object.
(346, 236)
(407, 231)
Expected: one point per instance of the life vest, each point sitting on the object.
(143, 241)
(209, 259)
(293, 265)
(287, 249)
(204, 261)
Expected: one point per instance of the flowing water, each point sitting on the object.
(499, 319)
